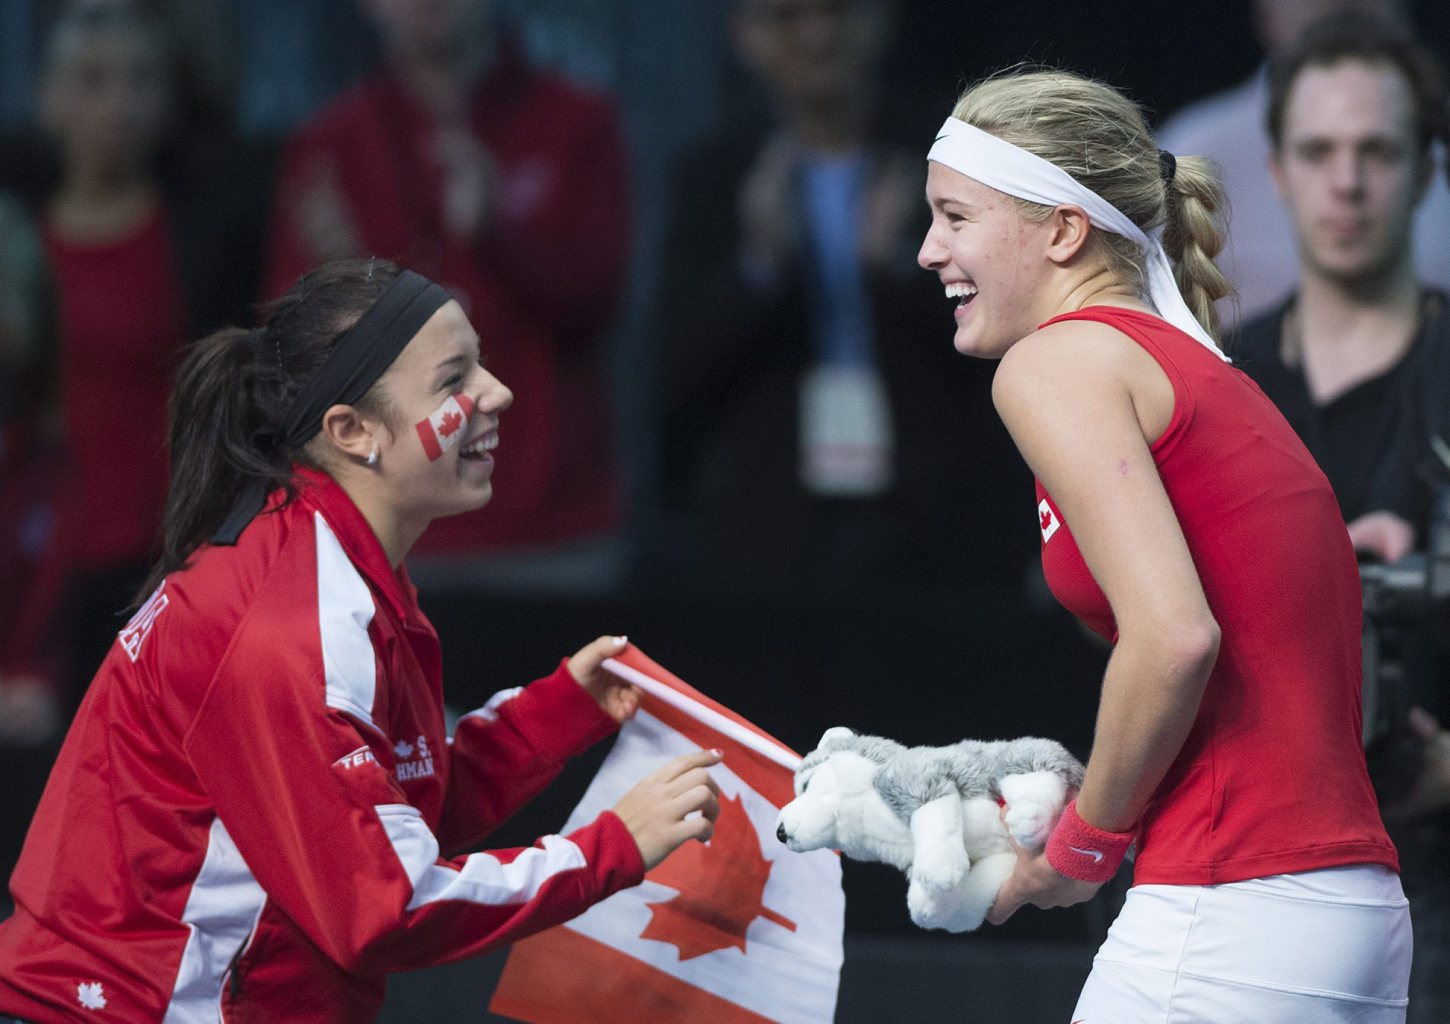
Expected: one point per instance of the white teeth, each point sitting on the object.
(960, 290)
(487, 443)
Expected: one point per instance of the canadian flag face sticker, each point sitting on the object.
(444, 429)
(1047, 520)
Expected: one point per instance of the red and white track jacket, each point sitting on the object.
(245, 822)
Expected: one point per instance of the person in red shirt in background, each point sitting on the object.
(103, 99)
(137, 262)
(507, 186)
(145, 205)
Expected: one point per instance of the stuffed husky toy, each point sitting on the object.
(940, 814)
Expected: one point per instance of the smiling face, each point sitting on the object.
(990, 260)
(1349, 170)
(436, 449)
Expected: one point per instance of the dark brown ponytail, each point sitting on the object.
(233, 391)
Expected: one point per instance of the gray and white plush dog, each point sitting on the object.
(933, 812)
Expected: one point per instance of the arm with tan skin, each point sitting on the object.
(618, 698)
(1081, 402)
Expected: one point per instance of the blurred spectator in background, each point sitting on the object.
(507, 186)
(146, 245)
(1353, 358)
(805, 377)
(829, 466)
(1259, 258)
(837, 537)
(1354, 108)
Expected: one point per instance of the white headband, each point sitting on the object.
(998, 164)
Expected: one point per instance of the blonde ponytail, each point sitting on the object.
(1193, 236)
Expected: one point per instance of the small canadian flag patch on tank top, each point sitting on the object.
(442, 430)
(1047, 519)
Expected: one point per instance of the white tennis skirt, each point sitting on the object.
(1318, 947)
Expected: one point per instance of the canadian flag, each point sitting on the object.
(444, 428)
(739, 929)
(1047, 520)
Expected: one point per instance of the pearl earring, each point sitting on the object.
(373, 457)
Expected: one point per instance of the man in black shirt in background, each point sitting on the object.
(1356, 359)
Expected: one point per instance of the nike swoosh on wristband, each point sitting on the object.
(1096, 855)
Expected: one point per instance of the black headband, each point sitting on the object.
(353, 366)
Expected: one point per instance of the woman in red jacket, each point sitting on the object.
(257, 812)
(1181, 519)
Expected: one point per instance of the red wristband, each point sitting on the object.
(1085, 852)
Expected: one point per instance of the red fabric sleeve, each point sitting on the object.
(506, 752)
(329, 835)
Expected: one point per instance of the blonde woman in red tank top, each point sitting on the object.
(1182, 520)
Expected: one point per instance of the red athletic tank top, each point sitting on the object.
(1272, 777)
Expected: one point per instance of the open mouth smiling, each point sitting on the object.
(480, 446)
(961, 293)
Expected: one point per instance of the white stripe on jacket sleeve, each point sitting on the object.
(484, 878)
(221, 912)
(344, 610)
(489, 711)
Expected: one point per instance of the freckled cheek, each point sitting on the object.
(995, 248)
(974, 258)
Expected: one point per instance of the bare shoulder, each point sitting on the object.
(1064, 358)
(1083, 365)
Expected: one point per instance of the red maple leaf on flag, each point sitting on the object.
(721, 885)
(451, 422)
(1046, 519)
